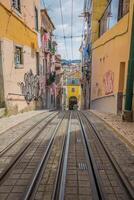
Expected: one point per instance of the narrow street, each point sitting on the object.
(67, 100)
(65, 155)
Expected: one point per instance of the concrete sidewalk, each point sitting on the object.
(125, 130)
(8, 122)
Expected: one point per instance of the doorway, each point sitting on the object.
(121, 87)
(72, 102)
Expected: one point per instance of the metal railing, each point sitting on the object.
(114, 11)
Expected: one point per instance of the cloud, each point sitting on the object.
(54, 12)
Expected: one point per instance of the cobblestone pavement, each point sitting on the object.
(78, 183)
(17, 180)
(14, 142)
(79, 178)
(8, 122)
(120, 151)
(125, 130)
(47, 188)
(9, 136)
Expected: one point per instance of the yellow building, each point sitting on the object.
(19, 52)
(111, 50)
(72, 91)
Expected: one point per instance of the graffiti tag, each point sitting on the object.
(108, 81)
(30, 86)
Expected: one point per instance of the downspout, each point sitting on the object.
(128, 113)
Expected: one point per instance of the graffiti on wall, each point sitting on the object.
(108, 81)
(30, 86)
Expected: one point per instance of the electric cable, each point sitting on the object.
(60, 2)
(72, 29)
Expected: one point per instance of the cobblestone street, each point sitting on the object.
(64, 155)
(9, 122)
(67, 100)
(124, 130)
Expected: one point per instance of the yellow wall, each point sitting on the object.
(77, 93)
(98, 8)
(14, 29)
(108, 53)
(70, 93)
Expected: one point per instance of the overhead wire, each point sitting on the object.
(72, 29)
(43, 3)
(62, 21)
(67, 36)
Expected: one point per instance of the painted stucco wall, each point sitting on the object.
(108, 53)
(27, 15)
(12, 75)
(16, 29)
(98, 8)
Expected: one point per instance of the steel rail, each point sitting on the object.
(3, 132)
(25, 133)
(61, 165)
(123, 178)
(64, 165)
(22, 151)
(55, 194)
(39, 170)
(94, 175)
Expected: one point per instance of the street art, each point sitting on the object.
(30, 86)
(108, 81)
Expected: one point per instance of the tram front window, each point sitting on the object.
(73, 103)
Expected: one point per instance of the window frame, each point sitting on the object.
(21, 62)
(17, 5)
(36, 18)
(105, 22)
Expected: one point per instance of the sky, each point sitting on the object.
(53, 7)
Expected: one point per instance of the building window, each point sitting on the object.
(18, 56)
(36, 19)
(115, 10)
(16, 5)
(37, 64)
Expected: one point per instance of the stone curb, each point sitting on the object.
(117, 132)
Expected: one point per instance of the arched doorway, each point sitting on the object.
(72, 101)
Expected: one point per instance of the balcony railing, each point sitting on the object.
(115, 10)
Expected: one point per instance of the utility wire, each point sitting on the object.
(60, 2)
(43, 3)
(68, 36)
(72, 30)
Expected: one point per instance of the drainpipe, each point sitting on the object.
(128, 113)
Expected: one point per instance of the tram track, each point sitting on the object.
(46, 166)
(108, 173)
(24, 168)
(23, 143)
(9, 146)
(66, 159)
(77, 180)
(20, 123)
